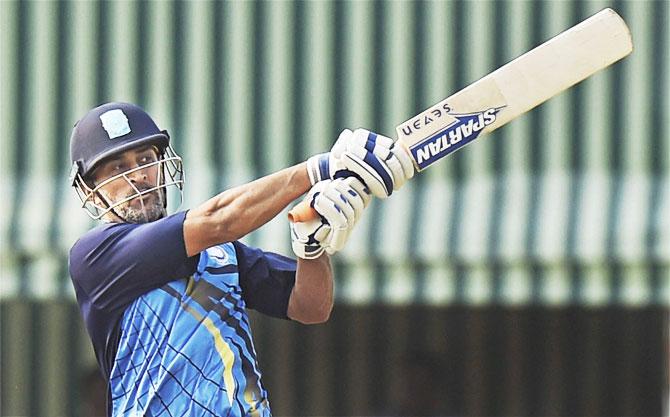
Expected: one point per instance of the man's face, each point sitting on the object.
(142, 208)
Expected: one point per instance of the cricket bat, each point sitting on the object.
(508, 92)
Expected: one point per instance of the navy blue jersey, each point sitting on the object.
(171, 332)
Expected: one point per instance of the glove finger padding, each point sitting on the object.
(362, 153)
(361, 189)
(396, 170)
(381, 163)
(370, 140)
(373, 171)
(382, 148)
(355, 197)
(404, 158)
(307, 238)
(340, 204)
(337, 194)
(340, 145)
(330, 210)
(356, 194)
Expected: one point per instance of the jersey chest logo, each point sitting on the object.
(218, 256)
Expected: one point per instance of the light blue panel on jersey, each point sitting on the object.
(161, 364)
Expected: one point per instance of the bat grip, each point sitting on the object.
(302, 212)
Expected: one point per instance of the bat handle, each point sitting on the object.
(302, 212)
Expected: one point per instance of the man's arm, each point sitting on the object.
(240, 210)
(243, 209)
(311, 299)
(340, 203)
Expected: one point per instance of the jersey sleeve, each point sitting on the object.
(116, 263)
(266, 279)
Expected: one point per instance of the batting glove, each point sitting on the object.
(340, 204)
(376, 160)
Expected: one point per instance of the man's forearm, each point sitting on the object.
(249, 206)
(311, 300)
(243, 209)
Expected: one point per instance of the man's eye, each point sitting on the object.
(147, 159)
(118, 167)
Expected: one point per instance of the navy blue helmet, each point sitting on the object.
(109, 130)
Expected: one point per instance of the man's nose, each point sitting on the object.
(137, 175)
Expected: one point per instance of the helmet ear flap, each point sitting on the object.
(77, 180)
(77, 176)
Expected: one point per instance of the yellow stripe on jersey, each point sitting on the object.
(190, 284)
(227, 357)
(225, 352)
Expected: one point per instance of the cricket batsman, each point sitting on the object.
(164, 297)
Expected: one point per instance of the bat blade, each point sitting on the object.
(516, 87)
(510, 91)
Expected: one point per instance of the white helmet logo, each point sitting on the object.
(115, 123)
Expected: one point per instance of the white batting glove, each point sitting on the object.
(340, 203)
(327, 165)
(375, 159)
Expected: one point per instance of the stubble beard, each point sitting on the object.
(147, 212)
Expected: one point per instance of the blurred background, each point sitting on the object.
(528, 275)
